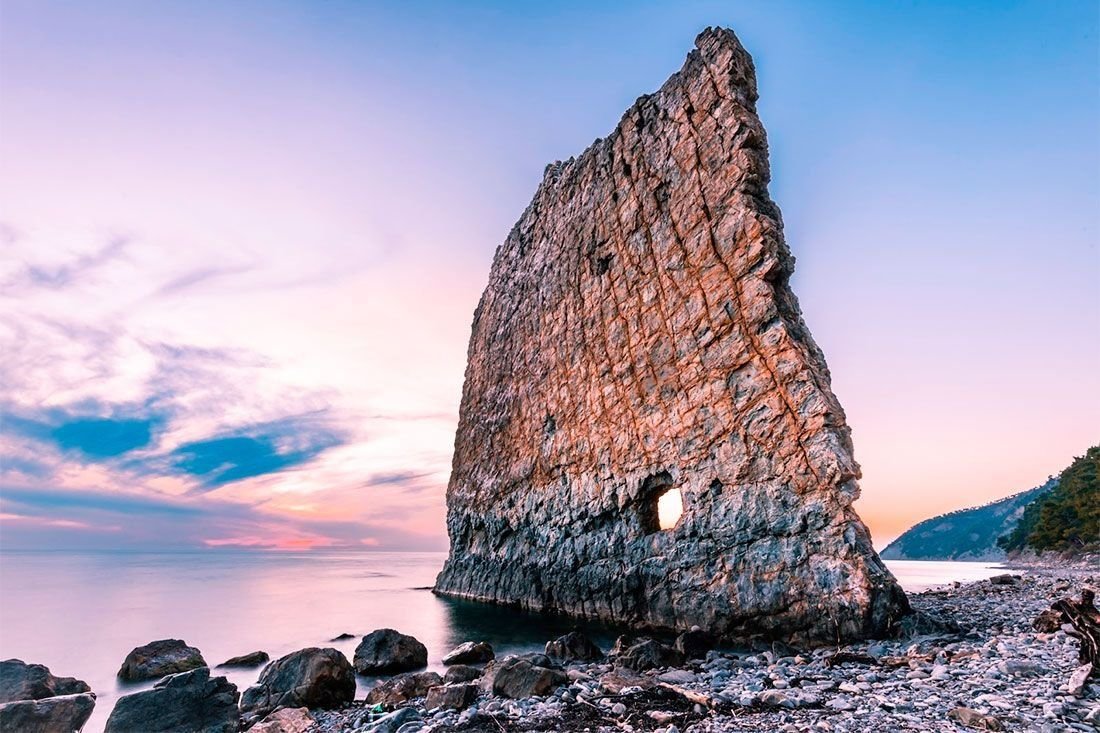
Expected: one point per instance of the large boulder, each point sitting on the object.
(396, 690)
(648, 654)
(461, 673)
(518, 678)
(470, 652)
(694, 644)
(159, 658)
(188, 702)
(639, 345)
(57, 714)
(574, 647)
(452, 697)
(252, 659)
(386, 651)
(311, 678)
(22, 681)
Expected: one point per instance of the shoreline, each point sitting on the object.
(995, 673)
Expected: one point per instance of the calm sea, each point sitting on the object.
(81, 613)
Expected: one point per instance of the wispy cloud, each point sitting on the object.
(197, 277)
(63, 275)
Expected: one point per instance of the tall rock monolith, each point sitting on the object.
(638, 335)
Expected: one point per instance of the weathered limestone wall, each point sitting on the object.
(638, 332)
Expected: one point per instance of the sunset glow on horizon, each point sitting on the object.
(240, 260)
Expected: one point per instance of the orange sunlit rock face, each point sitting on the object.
(638, 334)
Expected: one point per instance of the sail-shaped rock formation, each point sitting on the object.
(638, 335)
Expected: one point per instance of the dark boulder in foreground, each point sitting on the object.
(189, 701)
(160, 658)
(57, 714)
(452, 697)
(470, 652)
(461, 673)
(648, 654)
(694, 644)
(574, 647)
(253, 659)
(22, 681)
(311, 678)
(386, 651)
(403, 687)
(518, 678)
(32, 700)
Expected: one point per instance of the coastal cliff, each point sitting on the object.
(638, 336)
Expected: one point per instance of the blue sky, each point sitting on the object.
(242, 243)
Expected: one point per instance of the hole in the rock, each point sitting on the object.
(670, 505)
(603, 264)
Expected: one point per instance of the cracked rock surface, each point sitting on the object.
(638, 334)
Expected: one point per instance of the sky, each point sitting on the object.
(241, 244)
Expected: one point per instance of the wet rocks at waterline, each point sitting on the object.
(638, 340)
(160, 658)
(33, 700)
(386, 651)
(189, 701)
(311, 678)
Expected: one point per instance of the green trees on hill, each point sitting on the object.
(1067, 518)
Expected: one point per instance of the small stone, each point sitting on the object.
(973, 719)
(471, 652)
(253, 659)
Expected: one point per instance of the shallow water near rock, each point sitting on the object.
(81, 613)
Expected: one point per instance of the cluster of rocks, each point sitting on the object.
(975, 661)
(980, 667)
(34, 701)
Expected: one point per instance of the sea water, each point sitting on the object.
(81, 613)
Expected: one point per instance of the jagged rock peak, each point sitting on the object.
(638, 337)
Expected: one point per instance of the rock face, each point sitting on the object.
(311, 678)
(160, 658)
(190, 701)
(638, 335)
